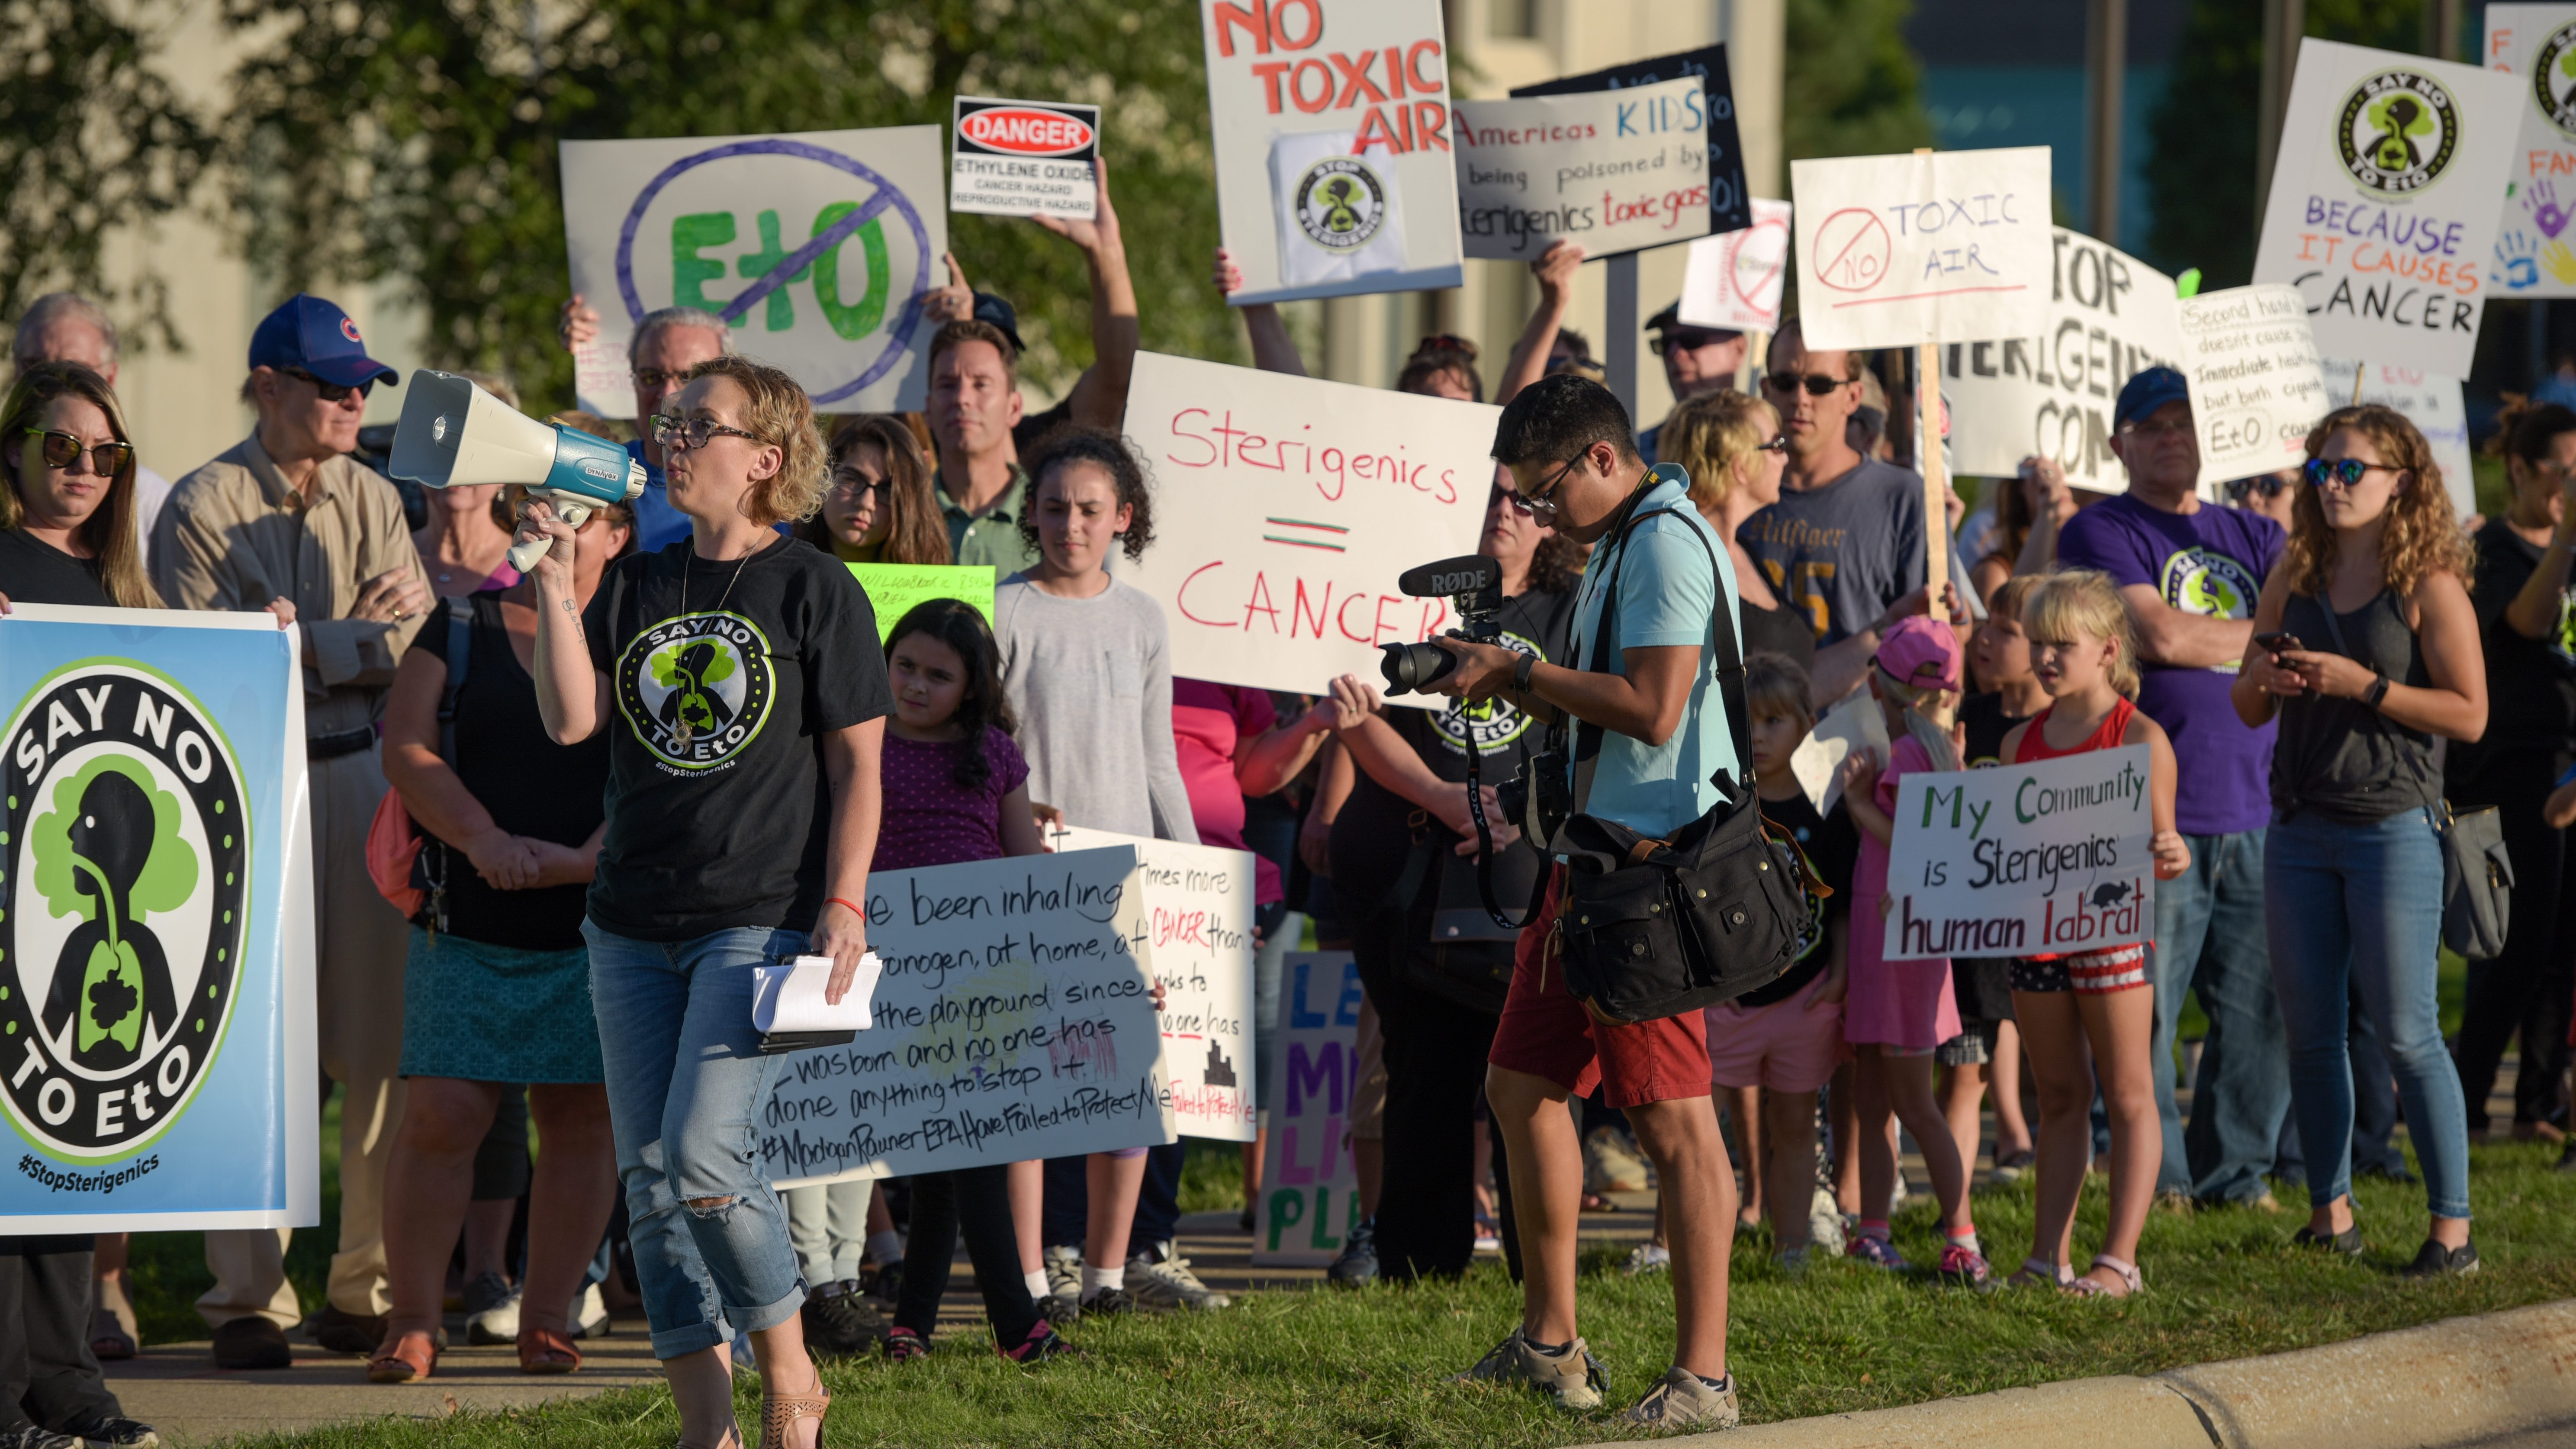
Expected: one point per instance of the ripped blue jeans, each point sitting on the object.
(685, 1085)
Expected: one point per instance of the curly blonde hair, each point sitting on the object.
(777, 413)
(2421, 537)
(1707, 437)
(2073, 602)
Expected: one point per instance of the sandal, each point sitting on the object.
(547, 1351)
(778, 1416)
(406, 1356)
(2037, 1271)
(109, 1338)
(2127, 1273)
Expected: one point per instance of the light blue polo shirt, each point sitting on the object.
(1666, 597)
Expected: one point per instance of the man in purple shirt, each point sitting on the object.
(2190, 573)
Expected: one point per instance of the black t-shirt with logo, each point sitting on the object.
(718, 804)
(1833, 848)
(1982, 718)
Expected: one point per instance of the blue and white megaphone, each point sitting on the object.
(455, 435)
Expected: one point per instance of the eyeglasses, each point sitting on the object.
(330, 392)
(62, 450)
(1817, 384)
(2346, 471)
(2155, 430)
(673, 432)
(1689, 341)
(1540, 501)
(660, 377)
(1778, 444)
(2270, 485)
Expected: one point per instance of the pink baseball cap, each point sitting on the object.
(1921, 651)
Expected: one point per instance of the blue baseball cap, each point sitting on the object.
(307, 332)
(2146, 392)
(999, 312)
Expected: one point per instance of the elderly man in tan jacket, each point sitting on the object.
(286, 516)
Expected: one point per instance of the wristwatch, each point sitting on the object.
(2378, 691)
(1521, 673)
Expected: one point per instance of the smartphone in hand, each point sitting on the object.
(2275, 642)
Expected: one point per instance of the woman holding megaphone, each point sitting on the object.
(738, 676)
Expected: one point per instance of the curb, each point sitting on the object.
(2448, 1383)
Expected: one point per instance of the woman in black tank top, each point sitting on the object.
(1731, 447)
(2366, 648)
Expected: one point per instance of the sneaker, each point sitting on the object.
(28, 1436)
(1792, 1262)
(1648, 1258)
(1063, 1300)
(1572, 1380)
(902, 1345)
(2347, 1242)
(589, 1315)
(1877, 1252)
(253, 1343)
(1357, 1266)
(120, 1432)
(491, 1310)
(1108, 1303)
(2435, 1261)
(1965, 1266)
(2010, 1166)
(885, 1284)
(344, 1332)
(1683, 1400)
(839, 1323)
(1043, 1343)
(1825, 1224)
(1610, 1164)
(1169, 1283)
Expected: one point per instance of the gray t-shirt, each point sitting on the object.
(1842, 553)
(1091, 682)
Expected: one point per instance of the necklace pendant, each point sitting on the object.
(682, 733)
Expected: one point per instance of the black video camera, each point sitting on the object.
(1473, 584)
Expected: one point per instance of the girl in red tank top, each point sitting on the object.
(2081, 650)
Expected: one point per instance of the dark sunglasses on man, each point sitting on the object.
(2270, 485)
(1689, 340)
(62, 450)
(330, 392)
(1817, 384)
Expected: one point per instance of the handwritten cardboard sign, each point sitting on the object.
(1285, 508)
(2023, 860)
(1332, 134)
(1024, 158)
(1734, 280)
(1728, 197)
(1899, 250)
(1015, 1019)
(1309, 1185)
(2433, 404)
(2383, 209)
(2536, 45)
(2110, 316)
(894, 588)
(2250, 364)
(1197, 929)
(1617, 171)
(812, 246)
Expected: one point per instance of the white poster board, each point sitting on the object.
(2256, 389)
(1197, 930)
(2023, 860)
(2536, 46)
(1284, 508)
(1617, 171)
(1309, 1186)
(1024, 158)
(2050, 393)
(1015, 1019)
(2383, 208)
(1331, 126)
(812, 246)
(2433, 404)
(1899, 250)
(1734, 280)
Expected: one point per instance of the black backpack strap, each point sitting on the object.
(1730, 664)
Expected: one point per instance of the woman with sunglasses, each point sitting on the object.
(879, 506)
(2269, 494)
(67, 531)
(1731, 446)
(2366, 648)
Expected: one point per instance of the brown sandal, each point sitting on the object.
(779, 1415)
(545, 1351)
(404, 1357)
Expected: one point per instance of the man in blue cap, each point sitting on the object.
(2190, 572)
(286, 517)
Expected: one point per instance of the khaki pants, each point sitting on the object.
(359, 950)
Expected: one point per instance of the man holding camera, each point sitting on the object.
(1569, 448)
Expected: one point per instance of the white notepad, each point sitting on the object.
(789, 997)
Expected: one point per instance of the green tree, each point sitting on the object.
(1853, 87)
(91, 139)
(417, 140)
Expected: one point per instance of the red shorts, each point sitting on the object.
(1546, 1033)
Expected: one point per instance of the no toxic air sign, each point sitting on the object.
(812, 247)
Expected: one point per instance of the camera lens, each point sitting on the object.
(1409, 667)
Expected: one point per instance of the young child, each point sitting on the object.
(2081, 649)
(956, 789)
(1987, 1050)
(1896, 1012)
(2001, 652)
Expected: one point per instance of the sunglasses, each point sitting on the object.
(852, 487)
(1817, 384)
(2347, 471)
(673, 432)
(660, 376)
(1778, 444)
(1663, 342)
(2269, 485)
(330, 392)
(62, 450)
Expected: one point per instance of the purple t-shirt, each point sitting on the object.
(2212, 563)
(932, 820)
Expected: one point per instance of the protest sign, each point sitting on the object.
(1309, 1186)
(894, 588)
(1197, 931)
(2023, 860)
(1728, 198)
(1617, 171)
(1331, 127)
(1024, 158)
(2383, 208)
(2110, 316)
(1894, 251)
(1015, 1019)
(2251, 368)
(811, 246)
(1286, 506)
(2536, 45)
(1734, 280)
(156, 924)
(2432, 404)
